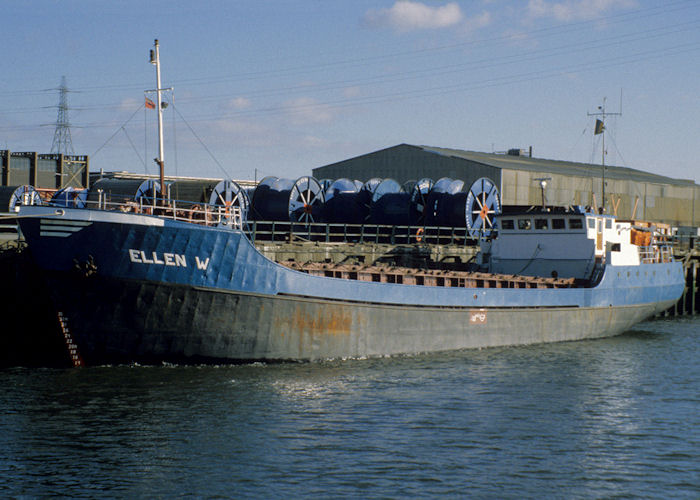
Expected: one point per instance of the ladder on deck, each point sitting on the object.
(73, 353)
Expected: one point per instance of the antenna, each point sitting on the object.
(62, 142)
(600, 129)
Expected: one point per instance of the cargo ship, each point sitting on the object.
(166, 281)
(134, 287)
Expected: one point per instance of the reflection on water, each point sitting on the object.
(586, 419)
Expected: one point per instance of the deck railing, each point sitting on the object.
(185, 211)
(654, 254)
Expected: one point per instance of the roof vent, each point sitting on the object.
(520, 152)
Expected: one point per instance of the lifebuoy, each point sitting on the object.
(419, 235)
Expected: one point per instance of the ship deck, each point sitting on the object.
(428, 277)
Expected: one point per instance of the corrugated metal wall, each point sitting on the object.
(672, 204)
(676, 203)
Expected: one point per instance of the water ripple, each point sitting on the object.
(609, 418)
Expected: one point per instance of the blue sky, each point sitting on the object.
(265, 87)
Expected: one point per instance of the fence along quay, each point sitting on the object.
(687, 249)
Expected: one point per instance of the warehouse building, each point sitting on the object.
(629, 193)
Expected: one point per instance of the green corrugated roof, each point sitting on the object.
(555, 166)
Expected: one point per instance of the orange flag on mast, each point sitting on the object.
(150, 104)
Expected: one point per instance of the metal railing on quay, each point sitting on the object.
(285, 231)
(280, 231)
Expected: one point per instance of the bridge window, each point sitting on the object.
(507, 224)
(541, 224)
(575, 224)
(524, 224)
(558, 224)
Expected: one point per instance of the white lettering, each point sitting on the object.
(201, 264)
(169, 259)
(165, 259)
(144, 259)
(134, 256)
(156, 260)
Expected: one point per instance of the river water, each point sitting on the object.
(612, 418)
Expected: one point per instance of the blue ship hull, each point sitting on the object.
(148, 289)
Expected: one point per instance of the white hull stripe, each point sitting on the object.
(58, 234)
(61, 228)
(57, 222)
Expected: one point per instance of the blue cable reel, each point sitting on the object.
(482, 207)
(231, 198)
(306, 199)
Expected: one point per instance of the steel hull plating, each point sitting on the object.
(146, 322)
(166, 291)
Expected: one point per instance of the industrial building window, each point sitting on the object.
(507, 224)
(541, 224)
(524, 224)
(558, 224)
(575, 224)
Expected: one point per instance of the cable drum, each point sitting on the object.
(149, 192)
(70, 197)
(258, 205)
(440, 202)
(342, 203)
(389, 204)
(482, 207)
(419, 200)
(364, 197)
(186, 193)
(230, 197)
(306, 200)
(12, 197)
(298, 200)
(118, 191)
(325, 184)
(125, 192)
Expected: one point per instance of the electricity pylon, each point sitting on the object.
(62, 142)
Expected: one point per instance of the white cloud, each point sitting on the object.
(575, 10)
(480, 21)
(306, 110)
(239, 103)
(407, 15)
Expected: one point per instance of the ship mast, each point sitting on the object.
(600, 129)
(155, 60)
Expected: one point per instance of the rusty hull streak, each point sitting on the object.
(332, 322)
